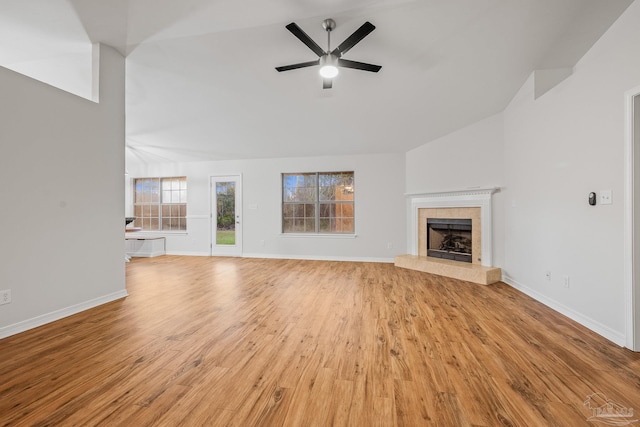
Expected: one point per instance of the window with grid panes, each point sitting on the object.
(160, 204)
(318, 202)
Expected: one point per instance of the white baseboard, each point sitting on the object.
(283, 256)
(145, 254)
(188, 253)
(35, 322)
(597, 327)
(319, 258)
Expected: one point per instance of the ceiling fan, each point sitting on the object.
(331, 59)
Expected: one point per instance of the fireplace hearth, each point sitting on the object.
(449, 238)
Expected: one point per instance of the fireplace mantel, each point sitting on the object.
(475, 197)
(456, 193)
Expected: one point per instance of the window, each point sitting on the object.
(320, 202)
(160, 204)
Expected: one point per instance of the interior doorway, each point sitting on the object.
(226, 215)
(632, 220)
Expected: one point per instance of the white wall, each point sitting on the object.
(469, 158)
(559, 148)
(62, 198)
(380, 215)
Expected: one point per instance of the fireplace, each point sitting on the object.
(450, 238)
(474, 204)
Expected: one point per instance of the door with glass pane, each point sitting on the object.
(226, 215)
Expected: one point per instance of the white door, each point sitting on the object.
(226, 215)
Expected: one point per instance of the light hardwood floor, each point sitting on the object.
(221, 341)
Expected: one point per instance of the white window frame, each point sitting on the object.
(317, 204)
(162, 195)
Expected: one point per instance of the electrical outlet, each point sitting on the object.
(565, 281)
(5, 296)
(606, 197)
(548, 276)
(389, 245)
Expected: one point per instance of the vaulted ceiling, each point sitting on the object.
(201, 83)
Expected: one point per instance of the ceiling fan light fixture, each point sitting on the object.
(329, 71)
(328, 68)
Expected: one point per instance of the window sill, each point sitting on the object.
(318, 236)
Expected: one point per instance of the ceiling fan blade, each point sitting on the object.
(327, 83)
(299, 65)
(304, 38)
(353, 39)
(358, 65)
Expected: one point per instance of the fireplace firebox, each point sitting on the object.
(449, 238)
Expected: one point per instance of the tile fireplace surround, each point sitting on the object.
(474, 204)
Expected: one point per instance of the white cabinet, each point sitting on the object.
(137, 245)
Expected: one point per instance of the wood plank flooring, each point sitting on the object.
(247, 342)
